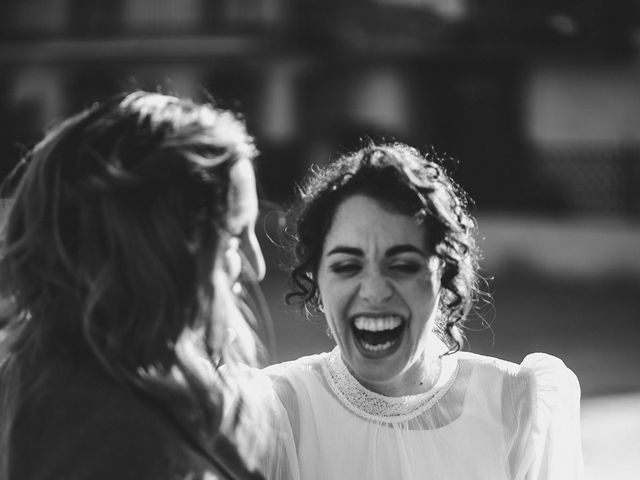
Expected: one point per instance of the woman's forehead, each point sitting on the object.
(361, 219)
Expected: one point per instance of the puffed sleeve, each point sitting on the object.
(551, 448)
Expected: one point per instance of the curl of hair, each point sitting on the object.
(410, 183)
(111, 239)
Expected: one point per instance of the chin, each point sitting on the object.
(368, 368)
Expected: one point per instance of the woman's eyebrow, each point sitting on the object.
(404, 248)
(346, 250)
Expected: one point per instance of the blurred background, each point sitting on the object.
(537, 100)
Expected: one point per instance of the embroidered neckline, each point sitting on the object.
(374, 406)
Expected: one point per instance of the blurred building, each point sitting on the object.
(538, 100)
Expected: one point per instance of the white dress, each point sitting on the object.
(484, 419)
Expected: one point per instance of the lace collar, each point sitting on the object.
(372, 405)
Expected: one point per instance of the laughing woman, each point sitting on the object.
(385, 249)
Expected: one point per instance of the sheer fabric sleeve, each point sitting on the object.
(280, 461)
(549, 445)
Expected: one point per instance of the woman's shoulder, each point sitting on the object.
(540, 378)
(300, 365)
(97, 418)
(81, 398)
(541, 366)
(554, 383)
(537, 403)
(290, 378)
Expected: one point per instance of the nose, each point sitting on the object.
(254, 255)
(375, 287)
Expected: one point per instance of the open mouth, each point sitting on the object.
(378, 335)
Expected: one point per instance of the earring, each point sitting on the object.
(319, 304)
(329, 334)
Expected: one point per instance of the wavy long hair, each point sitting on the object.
(109, 250)
(410, 183)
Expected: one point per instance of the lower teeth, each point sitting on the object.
(377, 348)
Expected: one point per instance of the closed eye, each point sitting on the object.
(345, 268)
(405, 267)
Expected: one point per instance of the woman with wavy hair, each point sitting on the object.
(385, 248)
(124, 244)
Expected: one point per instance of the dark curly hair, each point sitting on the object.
(411, 183)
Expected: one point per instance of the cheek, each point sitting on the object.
(334, 304)
(423, 294)
(338, 327)
(334, 292)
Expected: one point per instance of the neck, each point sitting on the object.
(419, 377)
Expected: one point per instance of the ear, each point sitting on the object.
(435, 263)
(435, 266)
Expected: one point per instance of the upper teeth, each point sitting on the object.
(376, 324)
